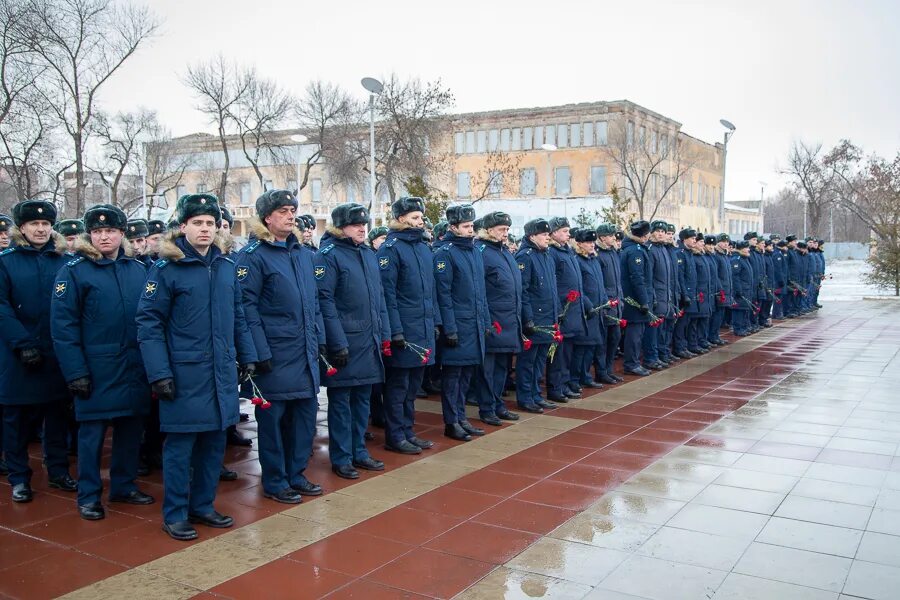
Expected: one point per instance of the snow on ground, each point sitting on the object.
(844, 282)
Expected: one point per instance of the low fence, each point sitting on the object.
(846, 251)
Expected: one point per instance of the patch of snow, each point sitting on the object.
(844, 283)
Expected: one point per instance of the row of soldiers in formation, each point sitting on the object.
(365, 315)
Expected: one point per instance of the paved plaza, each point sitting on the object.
(766, 469)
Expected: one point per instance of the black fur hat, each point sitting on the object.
(585, 235)
(5, 223)
(639, 228)
(407, 205)
(790, 238)
(710, 239)
(310, 221)
(620, 235)
(69, 227)
(34, 210)
(300, 223)
(272, 200)
(670, 228)
(192, 205)
(478, 224)
(558, 223)
(377, 232)
(723, 237)
(460, 213)
(495, 219)
(536, 226)
(606, 229)
(349, 214)
(659, 225)
(740, 245)
(687, 232)
(156, 226)
(440, 229)
(104, 215)
(137, 229)
(226, 216)
(749, 235)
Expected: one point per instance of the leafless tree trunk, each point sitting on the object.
(120, 138)
(321, 112)
(498, 176)
(165, 168)
(812, 179)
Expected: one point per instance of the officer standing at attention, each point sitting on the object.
(667, 329)
(156, 230)
(637, 288)
(70, 229)
(725, 293)
(356, 333)
(137, 233)
(742, 277)
(612, 281)
(462, 301)
(6, 223)
(503, 286)
(32, 387)
(406, 265)
(282, 309)
(376, 237)
(95, 337)
(687, 274)
(191, 330)
(664, 277)
(591, 343)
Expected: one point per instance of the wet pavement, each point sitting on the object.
(766, 469)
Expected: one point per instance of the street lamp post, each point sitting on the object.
(373, 86)
(729, 131)
(762, 215)
(299, 138)
(548, 148)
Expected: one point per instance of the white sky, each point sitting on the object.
(817, 70)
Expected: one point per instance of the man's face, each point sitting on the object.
(688, 243)
(541, 240)
(752, 242)
(415, 219)
(618, 244)
(200, 232)
(281, 222)
(307, 236)
(4, 240)
(226, 228)
(658, 236)
(70, 242)
(723, 246)
(377, 242)
(607, 241)
(465, 229)
(153, 242)
(356, 233)
(792, 244)
(139, 245)
(499, 233)
(37, 232)
(512, 246)
(744, 252)
(670, 237)
(107, 240)
(587, 247)
(561, 235)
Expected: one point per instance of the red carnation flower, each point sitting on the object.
(497, 327)
(623, 323)
(556, 326)
(700, 296)
(573, 295)
(526, 343)
(614, 302)
(331, 371)
(386, 348)
(424, 360)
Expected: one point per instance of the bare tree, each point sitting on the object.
(219, 85)
(165, 168)
(18, 70)
(648, 168)
(82, 43)
(258, 113)
(812, 179)
(322, 113)
(498, 176)
(121, 137)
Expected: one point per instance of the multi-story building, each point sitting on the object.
(530, 162)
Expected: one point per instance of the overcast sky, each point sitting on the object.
(779, 70)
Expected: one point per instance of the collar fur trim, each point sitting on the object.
(60, 246)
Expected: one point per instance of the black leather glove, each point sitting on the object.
(451, 340)
(245, 372)
(528, 328)
(644, 309)
(80, 387)
(264, 366)
(164, 389)
(30, 358)
(684, 302)
(398, 342)
(340, 358)
(589, 315)
(323, 350)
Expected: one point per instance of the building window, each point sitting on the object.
(653, 147)
(601, 131)
(563, 181)
(588, 138)
(550, 135)
(642, 136)
(527, 138)
(516, 138)
(245, 193)
(493, 140)
(562, 136)
(268, 185)
(351, 193)
(470, 142)
(690, 196)
(481, 141)
(460, 142)
(598, 180)
(664, 144)
(504, 140)
(575, 134)
(538, 137)
(629, 133)
(316, 186)
(201, 188)
(463, 188)
(527, 182)
(495, 183)
(180, 191)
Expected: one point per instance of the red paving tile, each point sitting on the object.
(585, 440)
(431, 573)
(560, 494)
(363, 589)
(407, 525)
(557, 452)
(606, 428)
(139, 544)
(482, 542)
(55, 574)
(528, 465)
(70, 529)
(591, 476)
(454, 502)
(351, 553)
(526, 516)
(16, 548)
(618, 460)
(283, 578)
(643, 447)
(498, 483)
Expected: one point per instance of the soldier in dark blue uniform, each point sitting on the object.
(667, 329)
(687, 277)
(309, 231)
(608, 257)
(742, 278)
(94, 334)
(136, 233)
(281, 305)
(192, 332)
(725, 294)
(637, 289)
(779, 259)
(406, 265)
(462, 301)
(768, 282)
(759, 274)
(356, 333)
(156, 229)
(590, 344)
(376, 237)
(697, 331)
(32, 387)
(540, 310)
(6, 224)
(503, 286)
(70, 229)
(562, 378)
(664, 286)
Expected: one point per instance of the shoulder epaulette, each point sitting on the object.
(481, 247)
(528, 251)
(7, 251)
(252, 246)
(390, 243)
(161, 263)
(72, 263)
(326, 249)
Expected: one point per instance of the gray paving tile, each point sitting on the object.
(754, 480)
(885, 521)
(814, 537)
(810, 569)
(719, 521)
(879, 548)
(745, 587)
(826, 512)
(850, 493)
(870, 580)
(740, 499)
(694, 548)
(662, 579)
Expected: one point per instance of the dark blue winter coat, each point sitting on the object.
(664, 282)
(568, 278)
(637, 280)
(281, 305)
(595, 294)
(353, 309)
(704, 302)
(742, 276)
(723, 271)
(612, 278)
(95, 334)
(672, 251)
(191, 328)
(759, 273)
(780, 260)
(27, 283)
(406, 265)
(795, 268)
(503, 286)
(687, 269)
(462, 300)
(540, 302)
(714, 286)
(769, 263)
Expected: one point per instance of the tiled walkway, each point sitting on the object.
(766, 469)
